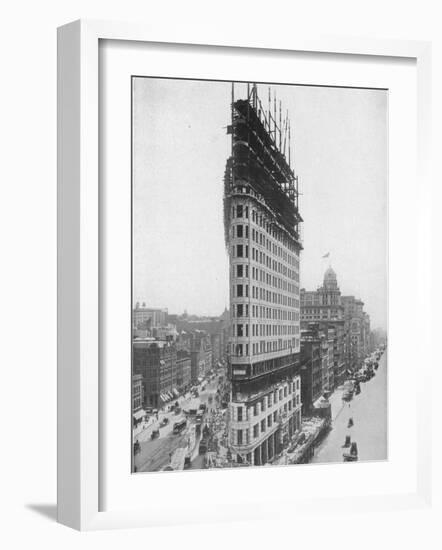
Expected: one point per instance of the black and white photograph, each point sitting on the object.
(259, 274)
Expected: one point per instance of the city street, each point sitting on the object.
(369, 413)
(155, 453)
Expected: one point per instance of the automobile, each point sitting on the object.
(203, 407)
(165, 421)
(199, 418)
(155, 434)
(178, 427)
(148, 410)
(203, 446)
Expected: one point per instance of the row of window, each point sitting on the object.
(317, 310)
(242, 211)
(268, 329)
(242, 251)
(274, 397)
(242, 270)
(242, 436)
(240, 231)
(277, 282)
(242, 310)
(242, 350)
(259, 293)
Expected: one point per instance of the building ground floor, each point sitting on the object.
(264, 451)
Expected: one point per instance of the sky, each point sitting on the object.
(180, 147)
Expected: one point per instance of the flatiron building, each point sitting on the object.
(262, 221)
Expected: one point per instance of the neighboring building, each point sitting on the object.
(201, 354)
(311, 370)
(147, 318)
(357, 329)
(216, 328)
(183, 370)
(156, 362)
(166, 332)
(323, 304)
(325, 364)
(324, 307)
(262, 237)
(137, 398)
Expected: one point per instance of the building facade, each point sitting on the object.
(262, 236)
(137, 392)
(144, 317)
(357, 330)
(324, 307)
(183, 370)
(156, 362)
(311, 370)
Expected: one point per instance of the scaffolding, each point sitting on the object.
(261, 158)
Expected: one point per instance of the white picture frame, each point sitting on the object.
(79, 448)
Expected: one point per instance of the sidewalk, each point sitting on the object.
(143, 426)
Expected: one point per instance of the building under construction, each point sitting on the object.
(262, 222)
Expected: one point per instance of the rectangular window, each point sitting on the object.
(239, 231)
(256, 431)
(239, 437)
(239, 211)
(269, 421)
(239, 251)
(239, 270)
(239, 291)
(239, 310)
(239, 409)
(263, 425)
(239, 330)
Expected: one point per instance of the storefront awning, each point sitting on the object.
(139, 414)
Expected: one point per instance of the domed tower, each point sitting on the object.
(330, 280)
(330, 293)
